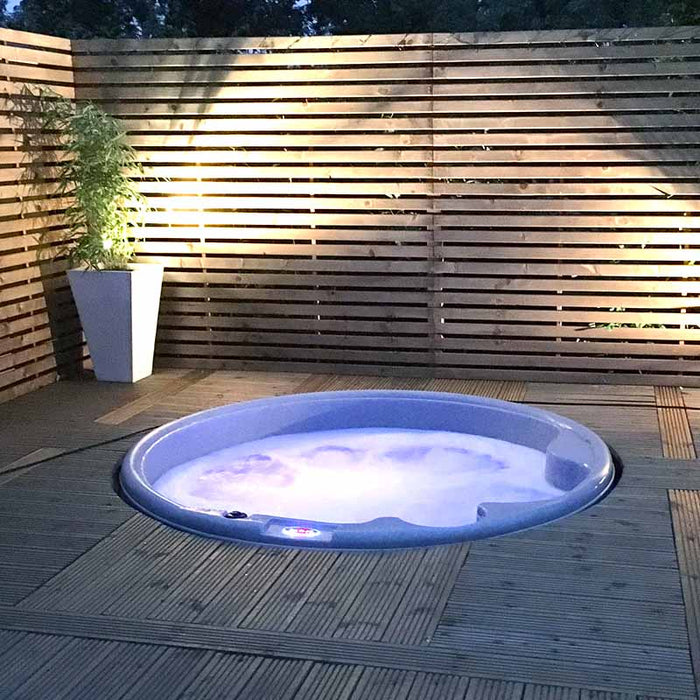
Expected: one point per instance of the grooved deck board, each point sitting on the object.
(590, 555)
(677, 439)
(619, 622)
(676, 435)
(49, 558)
(191, 595)
(483, 688)
(37, 498)
(133, 408)
(384, 684)
(52, 419)
(208, 390)
(661, 474)
(433, 686)
(692, 402)
(104, 680)
(549, 692)
(320, 614)
(78, 659)
(223, 675)
(592, 394)
(246, 590)
(19, 466)
(26, 657)
(330, 681)
(491, 388)
(608, 581)
(370, 612)
(149, 586)
(586, 538)
(290, 591)
(9, 639)
(504, 390)
(82, 594)
(85, 570)
(360, 383)
(277, 678)
(655, 660)
(169, 675)
(636, 435)
(61, 526)
(113, 514)
(600, 407)
(419, 611)
(46, 483)
(685, 510)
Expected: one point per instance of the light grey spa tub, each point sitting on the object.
(576, 462)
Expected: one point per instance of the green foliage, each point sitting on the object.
(684, 12)
(105, 204)
(397, 16)
(230, 18)
(393, 16)
(86, 19)
(166, 18)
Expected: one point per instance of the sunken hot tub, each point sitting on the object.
(366, 469)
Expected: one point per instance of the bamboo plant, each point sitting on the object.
(105, 207)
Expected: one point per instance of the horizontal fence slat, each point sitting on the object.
(465, 54)
(48, 43)
(526, 191)
(400, 249)
(653, 84)
(403, 41)
(662, 155)
(213, 76)
(407, 204)
(478, 104)
(634, 336)
(448, 173)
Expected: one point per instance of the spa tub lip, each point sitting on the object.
(385, 532)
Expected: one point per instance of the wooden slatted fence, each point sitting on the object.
(40, 335)
(513, 206)
(508, 205)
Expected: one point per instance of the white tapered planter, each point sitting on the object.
(119, 313)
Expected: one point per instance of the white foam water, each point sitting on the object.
(427, 478)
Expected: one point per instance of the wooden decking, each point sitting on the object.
(97, 601)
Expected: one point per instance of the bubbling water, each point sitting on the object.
(431, 478)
